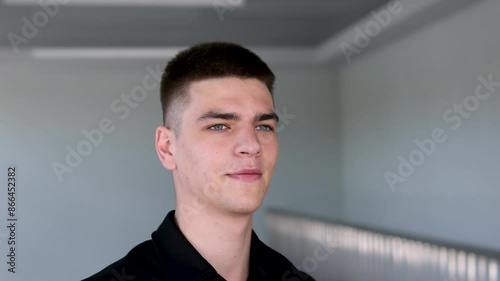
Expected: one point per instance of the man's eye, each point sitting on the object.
(266, 128)
(217, 127)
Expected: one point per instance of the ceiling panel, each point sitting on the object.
(290, 23)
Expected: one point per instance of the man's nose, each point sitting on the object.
(247, 142)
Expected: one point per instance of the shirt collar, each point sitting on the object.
(183, 262)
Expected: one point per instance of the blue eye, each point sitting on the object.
(267, 128)
(217, 127)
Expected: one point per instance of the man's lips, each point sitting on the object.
(247, 171)
(247, 175)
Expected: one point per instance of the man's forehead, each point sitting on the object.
(213, 92)
(228, 85)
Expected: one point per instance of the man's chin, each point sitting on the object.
(245, 209)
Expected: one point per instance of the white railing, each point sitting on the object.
(334, 251)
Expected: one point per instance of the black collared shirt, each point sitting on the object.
(170, 256)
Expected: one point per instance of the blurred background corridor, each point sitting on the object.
(389, 131)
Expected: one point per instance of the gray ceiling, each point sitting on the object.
(281, 23)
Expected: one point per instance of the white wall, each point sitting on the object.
(120, 193)
(393, 95)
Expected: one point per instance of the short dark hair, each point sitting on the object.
(204, 61)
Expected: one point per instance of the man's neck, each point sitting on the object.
(223, 240)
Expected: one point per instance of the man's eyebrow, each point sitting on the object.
(266, 116)
(236, 117)
(218, 115)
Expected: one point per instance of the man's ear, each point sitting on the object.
(164, 146)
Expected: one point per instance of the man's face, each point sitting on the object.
(227, 148)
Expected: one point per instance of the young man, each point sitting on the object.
(220, 142)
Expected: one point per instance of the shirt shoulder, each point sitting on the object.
(140, 263)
